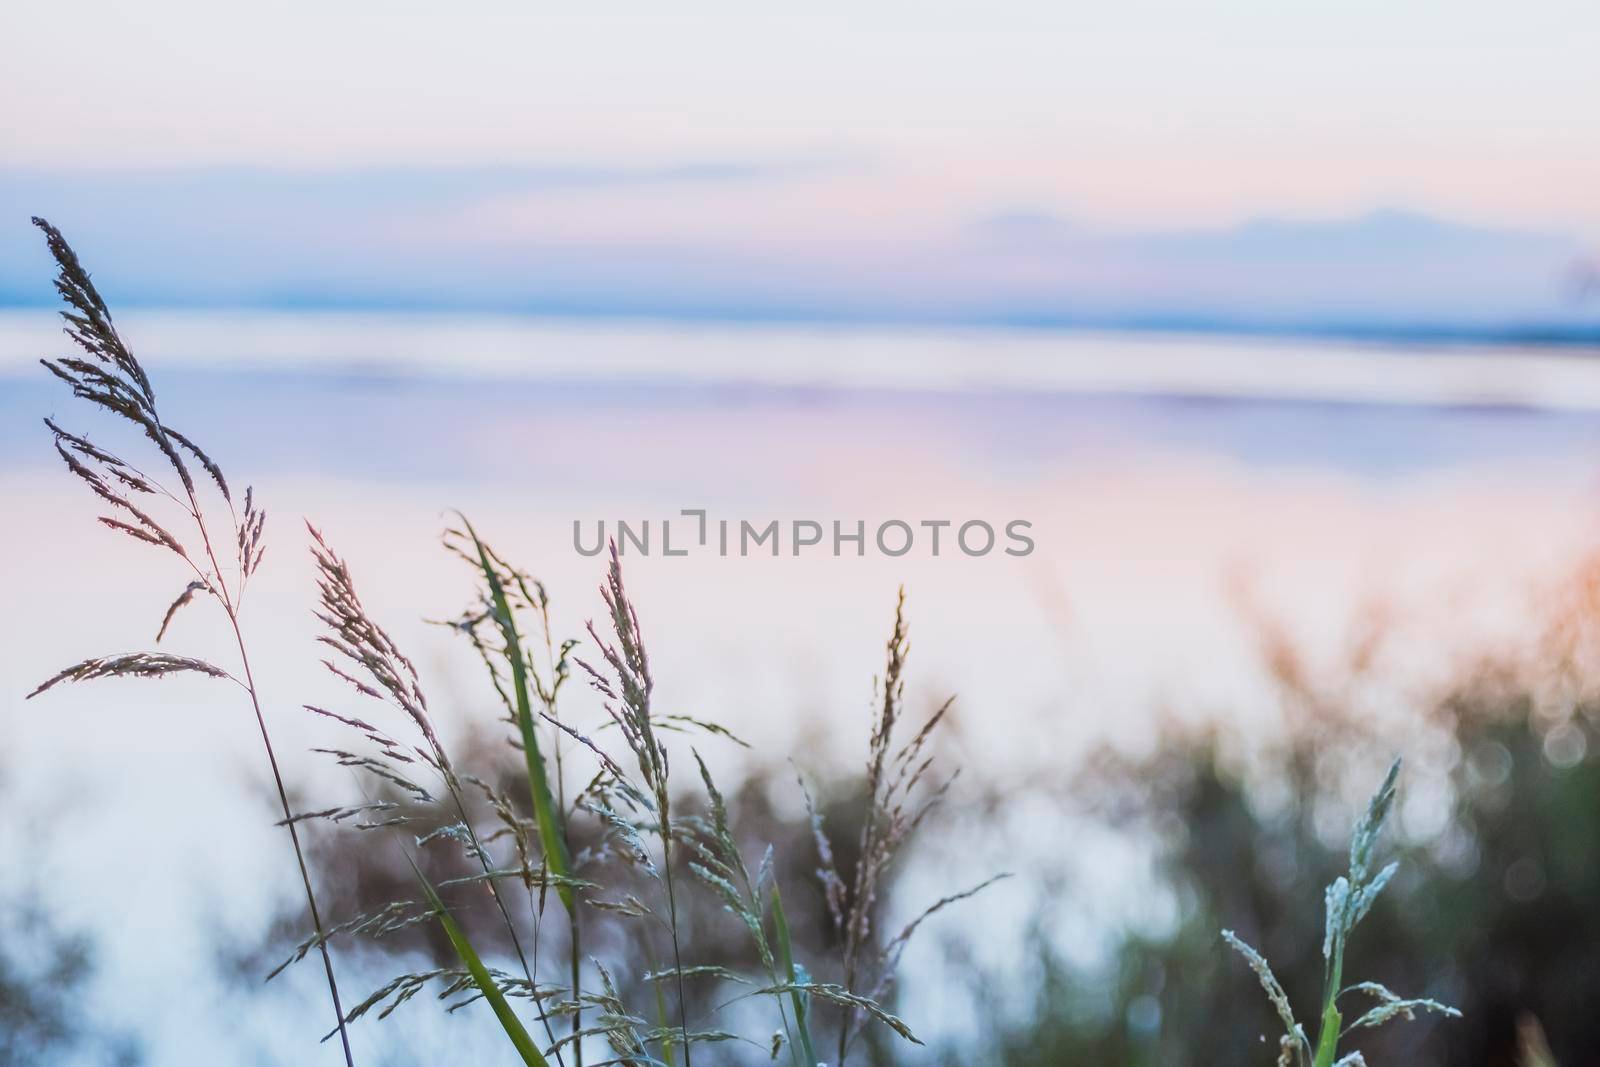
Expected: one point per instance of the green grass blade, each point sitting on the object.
(551, 833)
(1328, 1038)
(667, 1053)
(780, 923)
(485, 982)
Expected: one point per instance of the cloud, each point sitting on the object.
(1385, 266)
(817, 238)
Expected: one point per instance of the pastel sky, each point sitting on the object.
(735, 141)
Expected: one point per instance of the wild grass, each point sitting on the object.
(585, 862)
(1347, 901)
(110, 378)
(635, 810)
(644, 850)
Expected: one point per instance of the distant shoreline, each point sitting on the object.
(826, 358)
(1532, 334)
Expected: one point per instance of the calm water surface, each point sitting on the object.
(1159, 476)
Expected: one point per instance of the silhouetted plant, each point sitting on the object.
(113, 380)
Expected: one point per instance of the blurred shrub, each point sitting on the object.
(1497, 909)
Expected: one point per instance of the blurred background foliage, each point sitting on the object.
(46, 968)
(1496, 909)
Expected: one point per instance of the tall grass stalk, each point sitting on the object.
(628, 704)
(902, 792)
(365, 648)
(1348, 900)
(112, 379)
(549, 811)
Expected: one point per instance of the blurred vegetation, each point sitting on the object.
(1496, 909)
(45, 971)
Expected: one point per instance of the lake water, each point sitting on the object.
(1160, 474)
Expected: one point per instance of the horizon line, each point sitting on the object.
(1441, 329)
